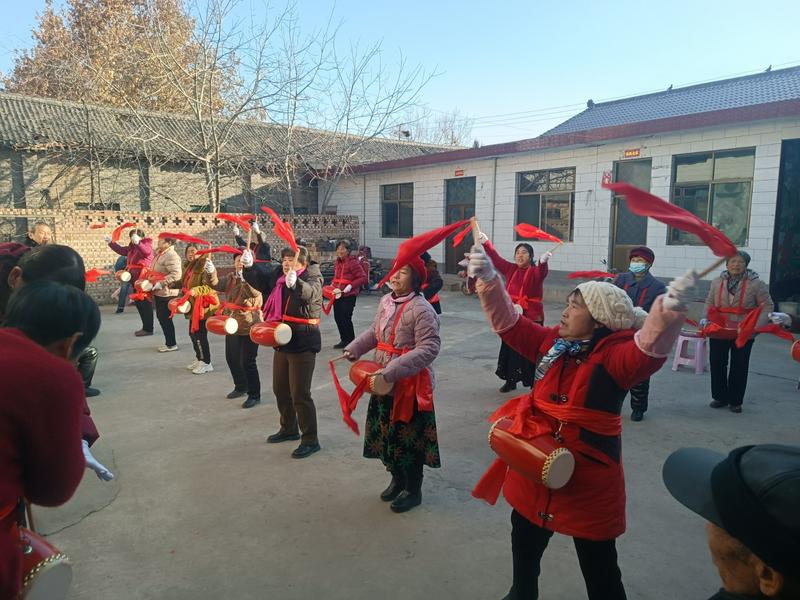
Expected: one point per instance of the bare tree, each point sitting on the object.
(434, 127)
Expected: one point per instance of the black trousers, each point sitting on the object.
(343, 313)
(87, 363)
(598, 561)
(729, 385)
(200, 342)
(162, 314)
(145, 310)
(240, 354)
(639, 395)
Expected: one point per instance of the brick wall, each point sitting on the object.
(73, 228)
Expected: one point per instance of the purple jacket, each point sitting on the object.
(138, 254)
(418, 330)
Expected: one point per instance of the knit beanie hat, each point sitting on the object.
(643, 252)
(611, 306)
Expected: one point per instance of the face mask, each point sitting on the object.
(637, 267)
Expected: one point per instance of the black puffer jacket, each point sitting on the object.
(304, 301)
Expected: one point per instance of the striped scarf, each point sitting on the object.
(560, 346)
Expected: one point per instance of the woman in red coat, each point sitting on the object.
(139, 254)
(589, 362)
(47, 325)
(349, 277)
(524, 285)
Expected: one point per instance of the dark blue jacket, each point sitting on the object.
(643, 292)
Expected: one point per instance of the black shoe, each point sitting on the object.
(92, 392)
(637, 415)
(119, 311)
(339, 346)
(405, 501)
(508, 386)
(304, 450)
(282, 436)
(235, 394)
(393, 491)
(718, 404)
(251, 401)
(735, 408)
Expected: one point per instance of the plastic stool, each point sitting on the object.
(696, 359)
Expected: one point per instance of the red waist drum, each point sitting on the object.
(540, 458)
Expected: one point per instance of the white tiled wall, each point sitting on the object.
(361, 196)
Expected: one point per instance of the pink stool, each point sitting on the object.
(697, 357)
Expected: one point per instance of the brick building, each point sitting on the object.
(728, 151)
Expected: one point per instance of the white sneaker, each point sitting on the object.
(165, 348)
(194, 365)
(203, 368)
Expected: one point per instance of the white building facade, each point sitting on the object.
(728, 173)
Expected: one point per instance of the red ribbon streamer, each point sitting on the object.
(93, 274)
(345, 399)
(590, 275)
(647, 205)
(282, 228)
(115, 235)
(242, 221)
(531, 231)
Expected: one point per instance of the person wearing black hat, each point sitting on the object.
(731, 297)
(642, 288)
(750, 499)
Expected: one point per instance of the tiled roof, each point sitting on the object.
(751, 90)
(42, 123)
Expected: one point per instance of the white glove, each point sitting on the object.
(483, 238)
(679, 290)
(703, 323)
(107, 238)
(209, 267)
(135, 238)
(291, 279)
(236, 231)
(480, 265)
(247, 258)
(780, 318)
(256, 229)
(545, 257)
(348, 288)
(92, 463)
(157, 286)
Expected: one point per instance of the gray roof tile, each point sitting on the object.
(762, 88)
(43, 123)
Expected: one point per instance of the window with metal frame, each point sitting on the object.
(546, 199)
(397, 210)
(717, 187)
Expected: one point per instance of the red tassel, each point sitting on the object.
(240, 220)
(531, 231)
(646, 204)
(344, 401)
(460, 236)
(93, 274)
(775, 329)
(115, 235)
(590, 275)
(491, 483)
(748, 326)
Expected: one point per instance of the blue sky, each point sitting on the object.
(535, 63)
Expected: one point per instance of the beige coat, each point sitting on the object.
(168, 262)
(756, 293)
(239, 292)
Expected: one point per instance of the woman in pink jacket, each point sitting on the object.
(139, 254)
(401, 426)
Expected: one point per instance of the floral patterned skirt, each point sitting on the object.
(400, 445)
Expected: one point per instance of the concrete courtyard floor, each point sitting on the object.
(202, 508)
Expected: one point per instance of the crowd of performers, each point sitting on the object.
(610, 339)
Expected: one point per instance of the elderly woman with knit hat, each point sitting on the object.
(731, 297)
(402, 435)
(524, 283)
(643, 289)
(602, 347)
